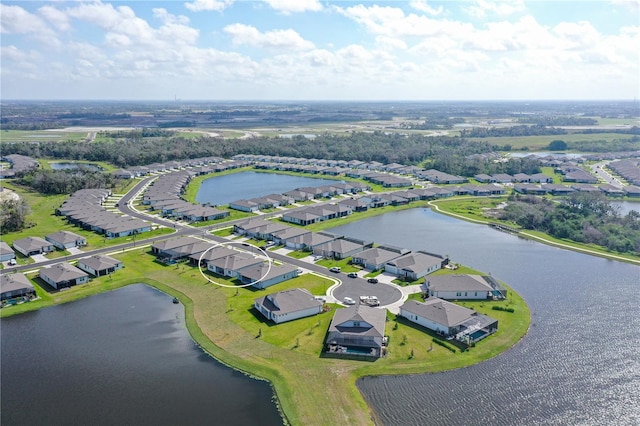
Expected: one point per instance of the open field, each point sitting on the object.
(541, 142)
(8, 136)
(311, 389)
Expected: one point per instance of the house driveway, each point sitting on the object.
(74, 250)
(387, 294)
(39, 258)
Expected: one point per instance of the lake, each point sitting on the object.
(578, 364)
(75, 166)
(222, 190)
(123, 357)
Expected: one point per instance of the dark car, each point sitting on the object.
(352, 275)
(372, 280)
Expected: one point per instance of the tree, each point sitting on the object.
(13, 215)
(557, 145)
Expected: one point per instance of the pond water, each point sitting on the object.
(579, 362)
(624, 207)
(222, 190)
(74, 166)
(120, 358)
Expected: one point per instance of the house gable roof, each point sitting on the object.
(458, 282)
(372, 321)
(439, 311)
(291, 300)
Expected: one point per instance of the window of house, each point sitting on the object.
(356, 323)
(458, 294)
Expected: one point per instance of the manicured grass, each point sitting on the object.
(7, 136)
(224, 232)
(557, 177)
(343, 264)
(299, 254)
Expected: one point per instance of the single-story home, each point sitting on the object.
(263, 276)
(288, 305)
(63, 275)
(230, 265)
(375, 258)
(464, 286)
(169, 250)
(449, 319)
(65, 239)
(357, 330)
(15, 285)
(6, 252)
(338, 249)
(414, 265)
(33, 245)
(214, 253)
(99, 265)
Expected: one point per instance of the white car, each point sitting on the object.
(12, 262)
(349, 301)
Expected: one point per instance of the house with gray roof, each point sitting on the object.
(414, 265)
(375, 257)
(65, 239)
(62, 275)
(171, 250)
(99, 265)
(309, 240)
(13, 286)
(282, 236)
(464, 286)
(209, 255)
(266, 274)
(357, 330)
(229, 266)
(6, 252)
(449, 319)
(288, 305)
(339, 249)
(33, 245)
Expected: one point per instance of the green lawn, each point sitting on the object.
(343, 264)
(541, 142)
(8, 136)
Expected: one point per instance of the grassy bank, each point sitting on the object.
(472, 209)
(311, 389)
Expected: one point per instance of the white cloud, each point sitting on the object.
(214, 5)
(295, 6)
(55, 17)
(422, 6)
(169, 18)
(483, 8)
(632, 5)
(16, 20)
(242, 34)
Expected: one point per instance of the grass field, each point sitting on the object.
(541, 142)
(7, 136)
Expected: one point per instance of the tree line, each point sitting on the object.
(584, 217)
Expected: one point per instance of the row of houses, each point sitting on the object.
(84, 209)
(557, 189)
(197, 166)
(297, 195)
(61, 275)
(354, 168)
(225, 261)
(30, 246)
(628, 169)
(403, 263)
(164, 196)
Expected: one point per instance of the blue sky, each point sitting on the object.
(320, 50)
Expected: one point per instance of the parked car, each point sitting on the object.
(372, 280)
(335, 269)
(352, 275)
(12, 262)
(349, 301)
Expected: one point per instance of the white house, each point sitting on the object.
(6, 252)
(32, 245)
(288, 305)
(463, 286)
(414, 265)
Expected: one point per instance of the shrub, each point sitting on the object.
(444, 345)
(501, 308)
